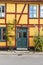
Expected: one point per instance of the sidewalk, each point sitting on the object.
(20, 53)
(13, 52)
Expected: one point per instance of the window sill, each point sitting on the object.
(2, 17)
(41, 18)
(2, 41)
(33, 18)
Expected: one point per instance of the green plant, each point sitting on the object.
(38, 40)
(9, 29)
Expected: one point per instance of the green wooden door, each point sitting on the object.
(21, 37)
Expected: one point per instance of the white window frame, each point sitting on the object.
(2, 40)
(41, 11)
(2, 14)
(31, 13)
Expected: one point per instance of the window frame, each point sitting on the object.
(40, 11)
(2, 13)
(2, 40)
(32, 13)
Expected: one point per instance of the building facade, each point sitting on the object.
(29, 18)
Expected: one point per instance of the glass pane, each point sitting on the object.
(41, 11)
(24, 34)
(31, 8)
(34, 8)
(2, 8)
(0, 14)
(4, 30)
(3, 14)
(34, 15)
(41, 15)
(41, 7)
(19, 35)
(31, 15)
(33, 11)
(0, 33)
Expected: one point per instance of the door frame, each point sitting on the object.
(27, 38)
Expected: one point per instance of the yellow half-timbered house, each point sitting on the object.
(29, 18)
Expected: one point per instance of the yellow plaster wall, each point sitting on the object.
(33, 31)
(2, 43)
(41, 21)
(31, 42)
(10, 7)
(12, 33)
(41, 31)
(19, 7)
(2, 4)
(12, 39)
(26, 9)
(23, 19)
(18, 15)
(2, 25)
(10, 18)
(2, 21)
(33, 21)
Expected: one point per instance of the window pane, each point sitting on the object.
(31, 8)
(2, 8)
(41, 7)
(3, 14)
(0, 15)
(41, 11)
(0, 34)
(19, 35)
(4, 30)
(34, 15)
(41, 15)
(33, 11)
(31, 16)
(2, 11)
(34, 7)
(24, 34)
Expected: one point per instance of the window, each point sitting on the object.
(19, 35)
(33, 11)
(2, 34)
(24, 34)
(4, 30)
(41, 11)
(2, 11)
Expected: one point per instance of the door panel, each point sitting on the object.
(24, 38)
(21, 37)
(18, 37)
